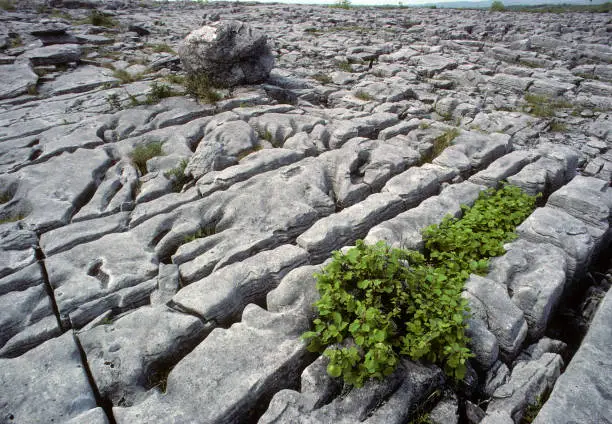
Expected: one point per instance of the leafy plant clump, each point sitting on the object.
(377, 302)
(143, 152)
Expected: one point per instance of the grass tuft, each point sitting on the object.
(7, 5)
(199, 86)
(544, 106)
(177, 176)
(143, 152)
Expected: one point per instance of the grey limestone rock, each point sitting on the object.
(54, 55)
(528, 381)
(503, 167)
(557, 227)
(535, 274)
(17, 80)
(489, 302)
(221, 296)
(446, 411)
(253, 164)
(483, 343)
(221, 147)
(278, 127)
(83, 78)
(581, 393)
(343, 228)
(53, 375)
(96, 270)
(228, 53)
(404, 230)
(126, 355)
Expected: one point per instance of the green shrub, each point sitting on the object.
(497, 6)
(199, 86)
(143, 152)
(377, 302)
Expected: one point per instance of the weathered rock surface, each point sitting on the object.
(228, 54)
(173, 286)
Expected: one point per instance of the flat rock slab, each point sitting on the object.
(56, 54)
(17, 79)
(97, 270)
(581, 394)
(47, 198)
(83, 78)
(47, 384)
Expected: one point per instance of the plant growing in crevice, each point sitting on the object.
(207, 230)
(345, 66)
(377, 303)
(158, 92)
(12, 218)
(532, 410)
(162, 48)
(322, 78)
(440, 143)
(557, 126)
(200, 87)
(99, 18)
(544, 106)
(7, 5)
(362, 95)
(143, 152)
(177, 176)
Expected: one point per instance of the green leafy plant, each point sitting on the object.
(177, 176)
(143, 152)
(497, 6)
(377, 303)
(199, 86)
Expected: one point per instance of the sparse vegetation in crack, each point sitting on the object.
(143, 152)
(177, 176)
(200, 87)
(440, 143)
(544, 106)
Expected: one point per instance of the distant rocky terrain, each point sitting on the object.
(157, 252)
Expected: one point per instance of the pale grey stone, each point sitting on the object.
(21, 309)
(48, 198)
(581, 393)
(503, 167)
(414, 185)
(489, 302)
(528, 381)
(278, 127)
(446, 411)
(17, 80)
(224, 377)
(51, 374)
(253, 164)
(345, 227)
(496, 376)
(83, 78)
(69, 236)
(125, 355)
(404, 231)
(472, 150)
(168, 284)
(301, 142)
(431, 64)
(535, 274)
(31, 336)
(93, 416)
(24, 278)
(511, 82)
(223, 294)
(95, 270)
(54, 55)
(221, 148)
(483, 343)
(229, 53)
(154, 185)
(557, 227)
